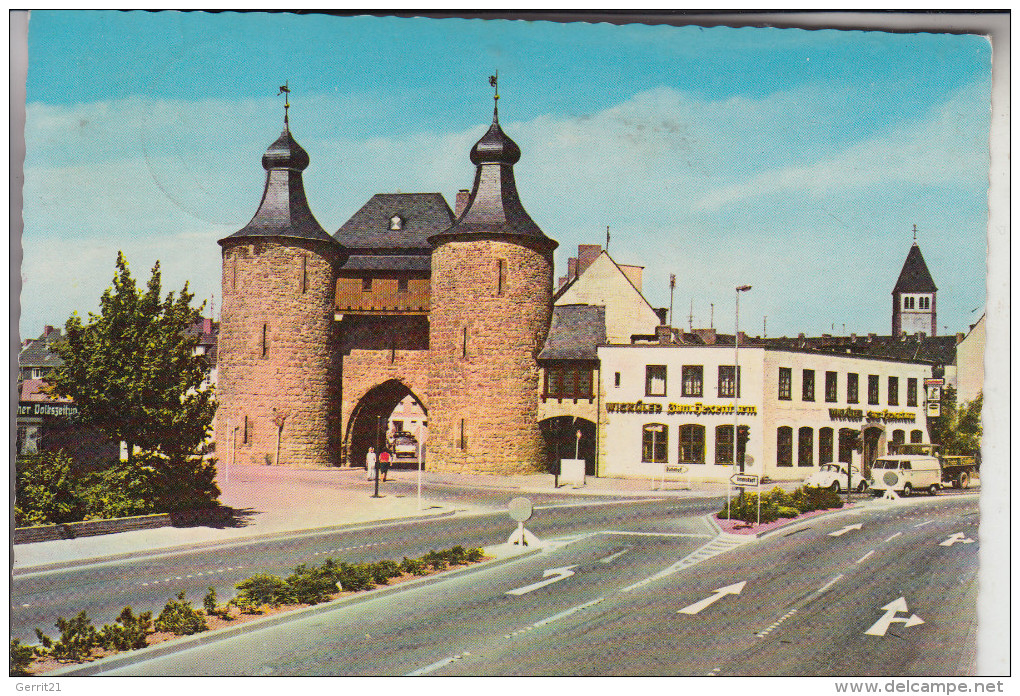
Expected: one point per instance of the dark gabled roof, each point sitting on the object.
(575, 333)
(931, 349)
(39, 353)
(388, 262)
(284, 210)
(915, 276)
(421, 215)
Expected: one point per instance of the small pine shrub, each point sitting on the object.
(382, 571)
(312, 586)
(21, 658)
(209, 602)
(180, 618)
(263, 589)
(77, 638)
(128, 633)
(414, 566)
(437, 559)
(355, 577)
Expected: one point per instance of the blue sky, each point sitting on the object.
(796, 161)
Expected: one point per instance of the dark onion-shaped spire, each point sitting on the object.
(285, 153)
(495, 146)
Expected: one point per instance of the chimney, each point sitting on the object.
(462, 199)
(664, 334)
(207, 325)
(586, 253)
(871, 337)
(571, 268)
(959, 338)
(743, 338)
(47, 330)
(662, 312)
(706, 335)
(853, 337)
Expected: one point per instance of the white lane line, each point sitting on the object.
(713, 673)
(829, 584)
(610, 559)
(894, 536)
(437, 665)
(777, 624)
(568, 612)
(598, 503)
(923, 523)
(660, 534)
(865, 556)
(26, 605)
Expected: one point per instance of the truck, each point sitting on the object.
(405, 448)
(958, 471)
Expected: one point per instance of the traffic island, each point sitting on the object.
(260, 598)
(749, 515)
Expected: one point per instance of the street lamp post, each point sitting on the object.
(736, 391)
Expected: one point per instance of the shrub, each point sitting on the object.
(180, 618)
(437, 559)
(414, 566)
(77, 638)
(474, 555)
(457, 555)
(128, 633)
(21, 658)
(209, 602)
(355, 577)
(312, 586)
(788, 511)
(46, 490)
(382, 571)
(263, 589)
(121, 490)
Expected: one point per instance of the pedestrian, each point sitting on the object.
(370, 464)
(384, 463)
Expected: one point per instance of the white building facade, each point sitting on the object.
(669, 410)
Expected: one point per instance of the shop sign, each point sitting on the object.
(856, 414)
(934, 409)
(697, 409)
(44, 408)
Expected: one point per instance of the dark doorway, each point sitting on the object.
(869, 452)
(562, 442)
(370, 419)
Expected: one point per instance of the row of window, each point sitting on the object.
(569, 383)
(692, 381)
(922, 303)
(655, 443)
(852, 387)
(691, 450)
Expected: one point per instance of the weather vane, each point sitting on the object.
(285, 90)
(915, 231)
(494, 81)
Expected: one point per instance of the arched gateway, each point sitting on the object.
(370, 421)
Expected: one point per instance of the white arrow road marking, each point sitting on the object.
(713, 598)
(552, 575)
(841, 532)
(954, 538)
(882, 625)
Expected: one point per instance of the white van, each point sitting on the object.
(906, 473)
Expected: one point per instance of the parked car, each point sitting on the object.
(405, 448)
(833, 476)
(906, 473)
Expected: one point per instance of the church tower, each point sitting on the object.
(914, 296)
(491, 304)
(277, 335)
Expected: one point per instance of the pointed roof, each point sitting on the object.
(915, 276)
(494, 208)
(575, 333)
(284, 210)
(390, 232)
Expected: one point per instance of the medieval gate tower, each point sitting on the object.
(492, 275)
(314, 326)
(277, 334)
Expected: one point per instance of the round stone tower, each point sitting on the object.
(491, 304)
(276, 370)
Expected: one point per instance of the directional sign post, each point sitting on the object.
(891, 609)
(552, 575)
(520, 510)
(734, 589)
(744, 479)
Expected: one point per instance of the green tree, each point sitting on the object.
(132, 368)
(958, 429)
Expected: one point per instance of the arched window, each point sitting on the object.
(824, 445)
(805, 447)
(692, 444)
(654, 442)
(916, 436)
(784, 446)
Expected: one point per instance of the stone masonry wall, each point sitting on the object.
(283, 292)
(492, 387)
(364, 369)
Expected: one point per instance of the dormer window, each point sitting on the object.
(396, 223)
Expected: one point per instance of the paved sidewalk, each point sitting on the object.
(278, 500)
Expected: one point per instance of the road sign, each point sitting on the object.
(934, 381)
(520, 509)
(882, 625)
(744, 479)
(934, 409)
(676, 469)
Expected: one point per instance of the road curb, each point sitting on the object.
(169, 647)
(205, 545)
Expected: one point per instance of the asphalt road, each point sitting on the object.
(808, 600)
(146, 581)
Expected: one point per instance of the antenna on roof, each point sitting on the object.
(672, 284)
(711, 316)
(607, 247)
(690, 317)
